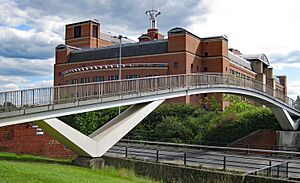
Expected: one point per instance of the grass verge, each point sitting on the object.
(26, 168)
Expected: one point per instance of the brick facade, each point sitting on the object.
(23, 139)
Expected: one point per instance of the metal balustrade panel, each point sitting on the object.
(39, 97)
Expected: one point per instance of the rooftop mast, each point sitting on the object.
(153, 20)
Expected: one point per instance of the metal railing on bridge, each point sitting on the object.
(22, 100)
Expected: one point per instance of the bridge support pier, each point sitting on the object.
(100, 141)
(285, 120)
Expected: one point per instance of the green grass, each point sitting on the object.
(26, 168)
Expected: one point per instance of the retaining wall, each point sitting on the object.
(173, 173)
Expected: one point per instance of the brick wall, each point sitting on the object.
(261, 139)
(23, 139)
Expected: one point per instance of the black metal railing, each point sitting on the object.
(209, 157)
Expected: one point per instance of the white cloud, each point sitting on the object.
(253, 26)
(280, 66)
(9, 83)
(26, 67)
(27, 44)
(11, 14)
(39, 84)
(293, 89)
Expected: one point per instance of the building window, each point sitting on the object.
(98, 78)
(197, 67)
(85, 80)
(59, 74)
(206, 54)
(114, 77)
(192, 66)
(39, 131)
(95, 31)
(132, 76)
(74, 81)
(77, 31)
(151, 75)
(176, 64)
(205, 69)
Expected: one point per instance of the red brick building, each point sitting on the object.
(88, 55)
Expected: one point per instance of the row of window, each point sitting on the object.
(77, 31)
(192, 66)
(238, 74)
(101, 78)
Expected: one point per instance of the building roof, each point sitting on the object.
(179, 30)
(239, 60)
(128, 50)
(262, 57)
(114, 39)
(277, 80)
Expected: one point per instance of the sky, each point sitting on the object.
(30, 30)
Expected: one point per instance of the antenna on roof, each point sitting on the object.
(153, 20)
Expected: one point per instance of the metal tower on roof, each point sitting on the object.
(153, 20)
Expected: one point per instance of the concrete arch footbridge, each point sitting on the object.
(44, 105)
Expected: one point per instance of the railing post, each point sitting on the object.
(277, 171)
(126, 152)
(99, 90)
(269, 169)
(33, 97)
(157, 155)
(21, 98)
(50, 93)
(224, 163)
(76, 90)
(58, 94)
(287, 169)
(184, 158)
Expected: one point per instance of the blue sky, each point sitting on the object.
(30, 29)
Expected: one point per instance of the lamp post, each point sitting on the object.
(120, 37)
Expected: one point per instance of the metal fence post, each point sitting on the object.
(50, 97)
(287, 169)
(184, 158)
(224, 163)
(99, 91)
(21, 99)
(33, 97)
(269, 169)
(157, 155)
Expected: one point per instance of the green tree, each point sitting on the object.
(172, 129)
(91, 121)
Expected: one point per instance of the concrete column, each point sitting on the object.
(285, 120)
(102, 139)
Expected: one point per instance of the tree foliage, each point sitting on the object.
(186, 123)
